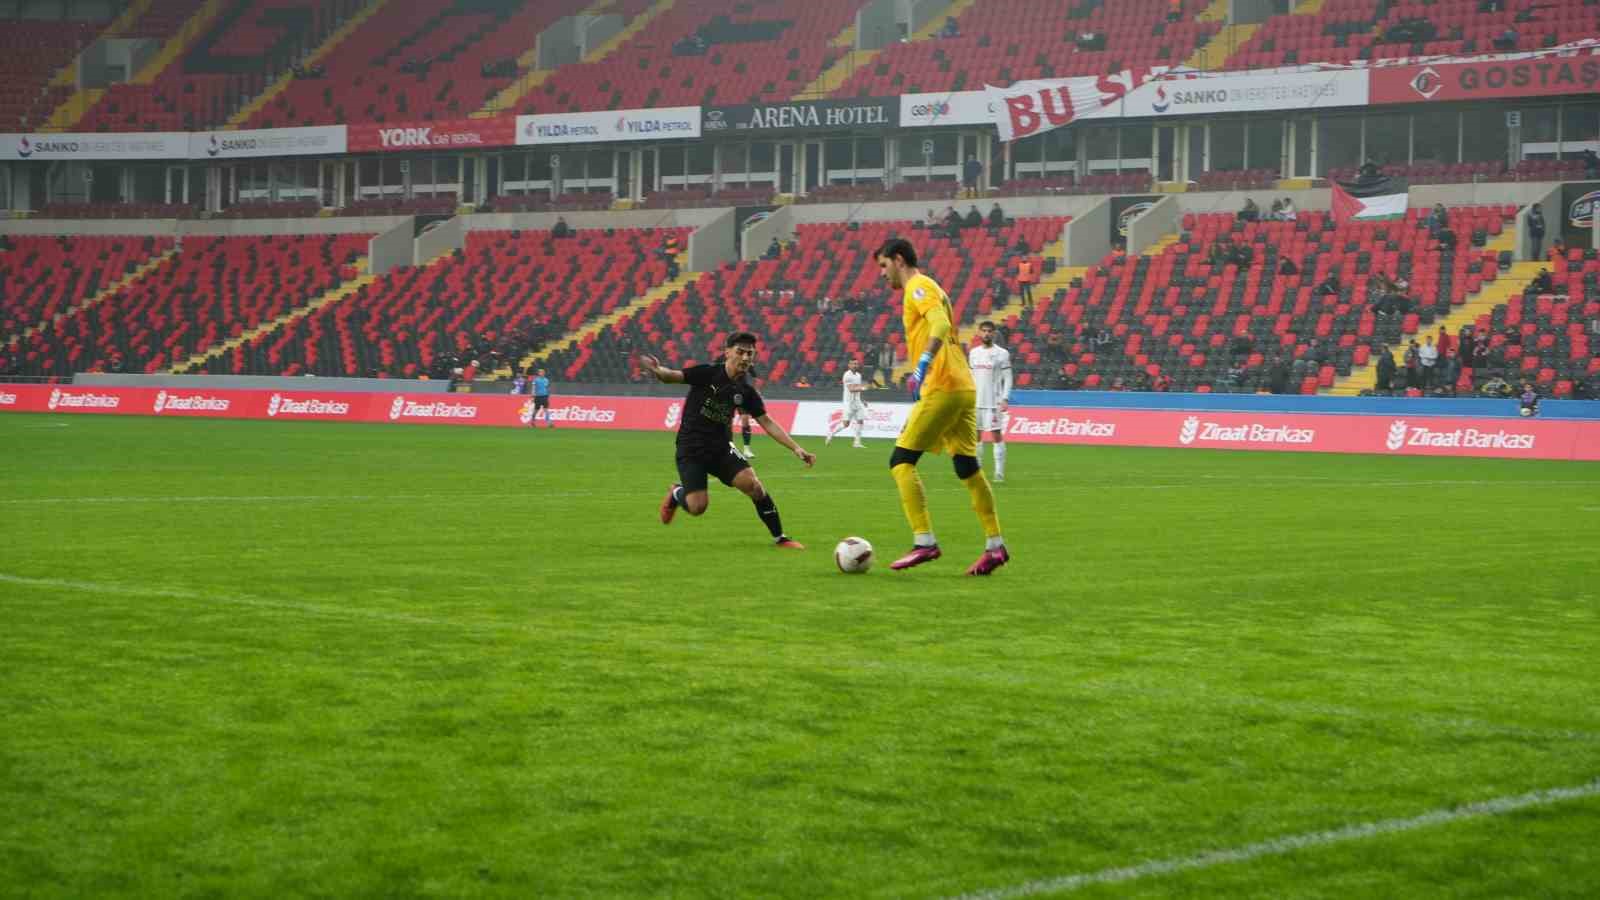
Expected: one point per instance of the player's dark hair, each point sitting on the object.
(741, 337)
(898, 247)
(985, 324)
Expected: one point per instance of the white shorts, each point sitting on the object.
(855, 412)
(991, 419)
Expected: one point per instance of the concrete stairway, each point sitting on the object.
(334, 294)
(332, 41)
(512, 94)
(595, 326)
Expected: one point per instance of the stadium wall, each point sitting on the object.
(392, 249)
(1149, 226)
(757, 237)
(207, 228)
(1412, 433)
(439, 240)
(1550, 204)
(712, 244)
(1088, 236)
(260, 383)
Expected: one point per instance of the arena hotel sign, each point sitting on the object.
(806, 115)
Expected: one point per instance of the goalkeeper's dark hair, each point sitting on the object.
(898, 247)
(741, 337)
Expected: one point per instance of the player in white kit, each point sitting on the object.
(991, 369)
(855, 408)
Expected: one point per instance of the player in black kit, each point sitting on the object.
(704, 445)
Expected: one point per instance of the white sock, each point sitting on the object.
(858, 431)
(980, 451)
(994, 543)
(1000, 460)
(923, 539)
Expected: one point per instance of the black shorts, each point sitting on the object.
(541, 403)
(696, 467)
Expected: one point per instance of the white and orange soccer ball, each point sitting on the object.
(853, 555)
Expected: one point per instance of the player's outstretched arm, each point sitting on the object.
(662, 373)
(782, 437)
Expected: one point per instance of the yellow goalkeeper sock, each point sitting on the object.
(983, 503)
(912, 499)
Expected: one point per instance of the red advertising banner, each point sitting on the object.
(1484, 80)
(1512, 438)
(457, 134)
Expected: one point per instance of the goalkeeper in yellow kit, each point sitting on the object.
(944, 416)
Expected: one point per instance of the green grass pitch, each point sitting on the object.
(270, 659)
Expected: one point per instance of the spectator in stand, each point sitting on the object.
(1427, 358)
(1465, 345)
(1413, 366)
(1329, 286)
(1286, 266)
(1542, 283)
(1288, 213)
(1025, 279)
(1507, 41)
(1438, 221)
(886, 359)
(1175, 11)
(1275, 211)
(997, 217)
(1445, 342)
(1536, 231)
(1369, 171)
(1497, 387)
(952, 223)
(1251, 212)
(1447, 240)
(1278, 376)
(1558, 250)
(560, 229)
(802, 382)
(1591, 163)
(950, 29)
(971, 171)
(1491, 6)
(1242, 256)
(1386, 369)
(1220, 253)
(774, 249)
(932, 221)
(1529, 400)
(1449, 373)
(974, 218)
(1480, 347)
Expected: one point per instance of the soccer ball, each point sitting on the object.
(853, 555)
(1526, 411)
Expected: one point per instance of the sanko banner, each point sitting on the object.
(97, 147)
(1302, 432)
(317, 140)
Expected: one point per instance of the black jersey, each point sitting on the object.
(708, 411)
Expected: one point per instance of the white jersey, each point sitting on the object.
(991, 369)
(851, 398)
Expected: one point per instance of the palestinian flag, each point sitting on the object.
(1370, 200)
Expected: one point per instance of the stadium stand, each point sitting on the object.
(43, 277)
(216, 288)
(417, 61)
(1180, 319)
(998, 43)
(494, 303)
(31, 54)
(779, 300)
(704, 53)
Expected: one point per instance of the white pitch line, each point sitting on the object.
(1498, 806)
